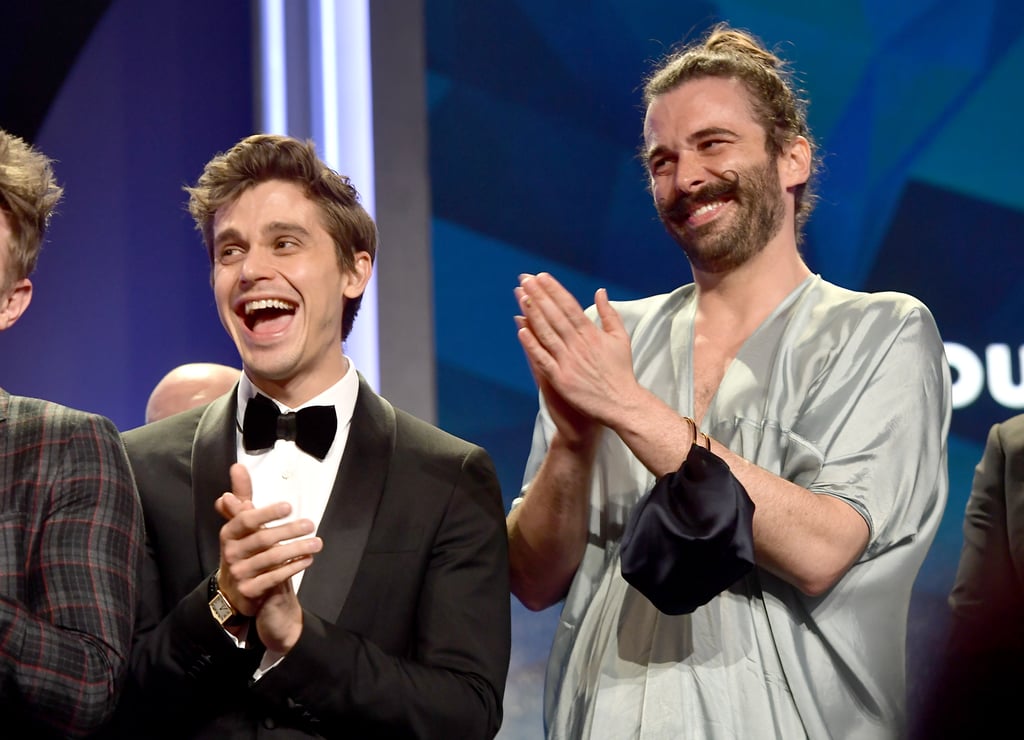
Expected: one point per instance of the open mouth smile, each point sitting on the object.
(266, 314)
(702, 213)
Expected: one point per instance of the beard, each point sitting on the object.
(715, 247)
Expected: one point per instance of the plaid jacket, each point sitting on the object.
(70, 544)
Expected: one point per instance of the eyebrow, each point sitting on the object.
(654, 151)
(704, 133)
(274, 227)
(228, 235)
(711, 131)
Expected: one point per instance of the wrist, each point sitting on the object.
(280, 633)
(221, 608)
(582, 444)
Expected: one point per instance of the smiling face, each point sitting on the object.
(719, 193)
(280, 290)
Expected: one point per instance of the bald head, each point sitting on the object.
(187, 386)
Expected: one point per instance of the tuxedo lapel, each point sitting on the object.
(213, 452)
(345, 526)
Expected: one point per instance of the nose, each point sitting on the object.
(690, 173)
(255, 266)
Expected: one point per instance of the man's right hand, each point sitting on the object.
(257, 556)
(576, 428)
(588, 364)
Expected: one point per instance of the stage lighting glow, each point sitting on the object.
(339, 109)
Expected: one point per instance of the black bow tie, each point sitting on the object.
(311, 428)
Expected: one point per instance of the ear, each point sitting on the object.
(795, 163)
(359, 276)
(14, 302)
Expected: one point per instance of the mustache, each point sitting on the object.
(728, 183)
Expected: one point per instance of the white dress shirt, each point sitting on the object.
(286, 473)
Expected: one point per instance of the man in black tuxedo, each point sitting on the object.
(352, 583)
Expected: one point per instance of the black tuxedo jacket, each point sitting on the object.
(405, 610)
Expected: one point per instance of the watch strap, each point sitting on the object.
(212, 585)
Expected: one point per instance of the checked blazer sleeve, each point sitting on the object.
(70, 542)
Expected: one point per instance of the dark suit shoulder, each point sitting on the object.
(1001, 468)
(410, 428)
(1010, 433)
(165, 434)
(161, 452)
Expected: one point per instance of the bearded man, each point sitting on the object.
(830, 407)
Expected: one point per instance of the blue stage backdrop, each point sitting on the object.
(535, 122)
(122, 290)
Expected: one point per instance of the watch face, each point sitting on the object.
(221, 609)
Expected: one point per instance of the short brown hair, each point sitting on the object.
(730, 53)
(28, 195)
(262, 157)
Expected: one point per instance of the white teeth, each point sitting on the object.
(707, 207)
(266, 303)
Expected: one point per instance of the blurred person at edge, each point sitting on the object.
(980, 671)
(70, 522)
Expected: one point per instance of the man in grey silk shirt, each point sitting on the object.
(830, 406)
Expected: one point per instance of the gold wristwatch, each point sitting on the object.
(222, 610)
